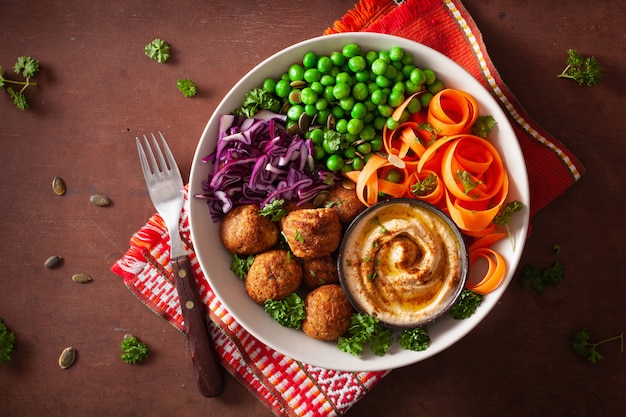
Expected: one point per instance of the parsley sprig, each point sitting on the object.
(7, 342)
(583, 70)
(158, 50)
(540, 279)
(588, 350)
(466, 305)
(187, 87)
(27, 67)
(365, 329)
(289, 312)
(133, 350)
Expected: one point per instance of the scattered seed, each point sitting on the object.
(81, 278)
(58, 185)
(67, 357)
(100, 200)
(53, 262)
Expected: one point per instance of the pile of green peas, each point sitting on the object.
(342, 101)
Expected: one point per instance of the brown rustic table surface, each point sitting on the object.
(97, 91)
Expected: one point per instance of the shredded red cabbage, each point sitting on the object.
(256, 161)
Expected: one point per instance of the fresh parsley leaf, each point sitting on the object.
(581, 346)
(483, 125)
(504, 214)
(255, 100)
(416, 339)
(158, 50)
(539, 280)
(580, 69)
(133, 350)
(187, 87)
(466, 305)
(289, 312)
(365, 329)
(275, 210)
(425, 186)
(332, 139)
(26, 66)
(19, 99)
(241, 266)
(468, 181)
(7, 342)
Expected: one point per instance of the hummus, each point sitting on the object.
(403, 262)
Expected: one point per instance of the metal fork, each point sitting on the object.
(165, 186)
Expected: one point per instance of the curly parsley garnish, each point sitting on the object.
(158, 50)
(27, 67)
(365, 329)
(187, 87)
(241, 266)
(255, 100)
(425, 186)
(7, 342)
(275, 210)
(133, 350)
(416, 339)
(583, 347)
(289, 312)
(580, 69)
(483, 125)
(466, 305)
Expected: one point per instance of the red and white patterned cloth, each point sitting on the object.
(292, 388)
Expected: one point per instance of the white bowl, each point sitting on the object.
(215, 261)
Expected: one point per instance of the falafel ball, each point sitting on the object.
(319, 271)
(243, 231)
(345, 202)
(328, 313)
(273, 275)
(312, 233)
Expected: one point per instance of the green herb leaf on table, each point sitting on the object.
(133, 350)
(584, 348)
(158, 50)
(289, 312)
(540, 279)
(27, 67)
(187, 87)
(580, 69)
(7, 342)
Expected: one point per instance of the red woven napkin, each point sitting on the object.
(288, 387)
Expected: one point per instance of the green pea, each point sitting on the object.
(312, 75)
(308, 96)
(317, 87)
(347, 103)
(394, 176)
(318, 152)
(391, 72)
(322, 116)
(430, 76)
(357, 164)
(341, 126)
(417, 77)
(379, 67)
(296, 72)
(309, 60)
(364, 148)
(321, 104)
(379, 122)
(341, 90)
(385, 110)
(399, 86)
(425, 99)
(338, 112)
(369, 105)
(392, 124)
(362, 76)
(327, 80)
(360, 91)
(406, 71)
(378, 97)
(310, 109)
(282, 88)
(337, 58)
(435, 87)
(368, 132)
(377, 144)
(357, 63)
(407, 59)
(395, 98)
(355, 126)
(384, 55)
(396, 53)
(295, 112)
(344, 78)
(382, 81)
(414, 106)
(404, 116)
(358, 111)
(269, 85)
(349, 152)
(350, 50)
(371, 56)
(324, 64)
(316, 136)
(334, 162)
(410, 87)
(328, 94)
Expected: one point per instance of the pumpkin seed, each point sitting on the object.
(100, 200)
(67, 357)
(53, 262)
(58, 185)
(81, 278)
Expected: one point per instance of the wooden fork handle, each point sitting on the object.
(205, 359)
